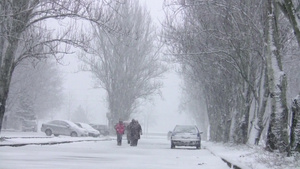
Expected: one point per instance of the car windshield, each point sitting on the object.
(185, 129)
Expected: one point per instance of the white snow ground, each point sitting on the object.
(153, 152)
(253, 157)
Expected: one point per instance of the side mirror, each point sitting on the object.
(201, 132)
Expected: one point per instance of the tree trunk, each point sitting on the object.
(278, 131)
(295, 126)
(18, 24)
(246, 113)
(263, 106)
(6, 70)
(232, 134)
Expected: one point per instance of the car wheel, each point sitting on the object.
(73, 134)
(56, 135)
(172, 145)
(48, 132)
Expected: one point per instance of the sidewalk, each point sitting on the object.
(37, 138)
(246, 157)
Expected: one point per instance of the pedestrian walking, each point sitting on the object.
(120, 128)
(135, 132)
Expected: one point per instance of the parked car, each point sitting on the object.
(186, 135)
(20, 121)
(29, 125)
(103, 129)
(63, 127)
(92, 132)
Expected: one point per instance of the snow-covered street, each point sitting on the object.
(151, 152)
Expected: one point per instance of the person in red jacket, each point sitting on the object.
(120, 128)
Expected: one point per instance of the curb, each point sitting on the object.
(230, 164)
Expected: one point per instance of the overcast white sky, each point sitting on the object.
(162, 116)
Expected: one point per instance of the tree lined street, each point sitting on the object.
(238, 61)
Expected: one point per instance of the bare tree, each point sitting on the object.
(291, 10)
(234, 50)
(124, 62)
(220, 44)
(23, 33)
(40, 82)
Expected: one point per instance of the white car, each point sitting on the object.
(186, 135)
(91, 131)
(63, 127)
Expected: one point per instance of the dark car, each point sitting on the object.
(186, 135)
(103, 129)
(63, 127)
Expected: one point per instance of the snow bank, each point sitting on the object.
(247, 157)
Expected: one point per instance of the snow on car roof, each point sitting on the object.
(86, 126)
(185, 128)
(70, 123)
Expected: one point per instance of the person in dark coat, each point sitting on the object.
(135, 132)
(129, 128)
(120, 128)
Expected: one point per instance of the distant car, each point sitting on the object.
(20, 121)
(63, 127)
(92, 132)
(29, 125)
(186, 135)
(103, 129)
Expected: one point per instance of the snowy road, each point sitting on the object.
(153, 152)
